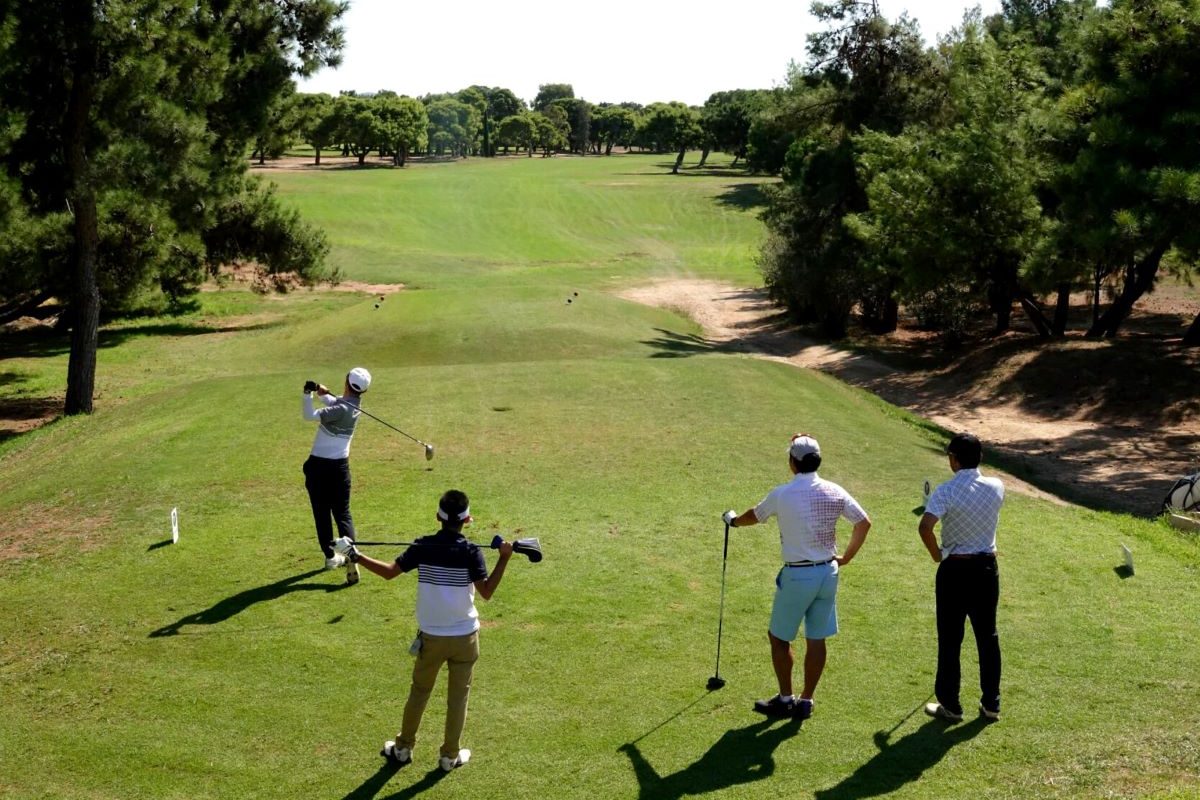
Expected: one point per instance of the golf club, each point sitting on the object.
(716, 681)
(531, 548)
(311, 386)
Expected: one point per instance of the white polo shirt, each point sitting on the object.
(808, 508)
(968, 506)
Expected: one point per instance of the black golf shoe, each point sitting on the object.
(803, 709)
(776, 707)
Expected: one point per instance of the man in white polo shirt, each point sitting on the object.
(449, 572)
(327, 470)
(968, 581)
(808, 508)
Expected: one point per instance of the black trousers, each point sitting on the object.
(967, 588)
(328, 484)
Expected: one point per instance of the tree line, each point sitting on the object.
(489, 121)
(1050, 149)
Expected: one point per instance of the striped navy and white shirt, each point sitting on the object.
(447, 567)
(969, 507)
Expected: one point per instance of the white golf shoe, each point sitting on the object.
(397, 755)
(351, 573)
(335, 561)
(447, 763)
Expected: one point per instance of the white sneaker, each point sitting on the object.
(397, 755)
(447, 763)
(335, 561)
(351, 573)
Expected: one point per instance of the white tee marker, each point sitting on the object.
(1128, 558)
(175, 525)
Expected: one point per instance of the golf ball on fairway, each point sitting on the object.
(377, 305)
(568, 301)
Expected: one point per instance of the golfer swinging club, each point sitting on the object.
(449, 572)
(327, 470)
(807, 508)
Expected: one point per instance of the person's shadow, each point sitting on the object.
(739, 756)
(224, 609)
(375, 783)
(902, 762)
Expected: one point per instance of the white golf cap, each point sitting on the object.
(803, 445)
(359, 379)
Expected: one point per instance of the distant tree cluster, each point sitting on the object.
(489, 121)
(1049, 149)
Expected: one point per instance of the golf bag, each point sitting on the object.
(1184, 495)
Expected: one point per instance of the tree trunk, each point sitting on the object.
(487, 139)
(1061, 309)
(1034, 312)
(85, 303)
(608, 149)
(1192, 337)
(362, 157)
(678, 161)
(1138, 281)
(318, 162)
(402, 151)
(703, 157)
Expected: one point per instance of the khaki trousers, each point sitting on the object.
(459, 653)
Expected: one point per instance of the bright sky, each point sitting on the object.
(610, 52)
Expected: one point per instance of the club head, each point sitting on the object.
(429, 452)
(715, 683)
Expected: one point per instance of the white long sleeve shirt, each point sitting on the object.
(336, 423)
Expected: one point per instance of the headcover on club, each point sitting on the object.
(531, 548)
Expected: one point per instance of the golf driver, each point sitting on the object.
(311, 386)
(531, 548)
(716, 681)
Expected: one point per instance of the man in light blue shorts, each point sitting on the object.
(807, 508)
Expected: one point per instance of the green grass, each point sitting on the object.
(225, 666)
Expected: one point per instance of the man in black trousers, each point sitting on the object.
(968, 581)
(327, 470)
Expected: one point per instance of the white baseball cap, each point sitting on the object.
(359, 379)
(803, 445)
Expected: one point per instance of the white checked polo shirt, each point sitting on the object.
(808, 508)
(969, 507)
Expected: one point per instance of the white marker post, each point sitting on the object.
(175, 525)
(1128, 558)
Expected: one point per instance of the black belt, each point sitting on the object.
(807, 563)
(971, 555)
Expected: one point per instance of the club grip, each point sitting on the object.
(310, 386)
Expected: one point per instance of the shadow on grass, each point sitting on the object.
(740, 756)
(230, 606)
(903, 762)
(373, 785)
(744, 196)
(47, 344)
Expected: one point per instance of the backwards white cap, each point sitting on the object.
(359, 379)
(803, 445)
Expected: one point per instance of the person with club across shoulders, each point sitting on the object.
(968, 580)
(327, 470)
(807, 509)
(450, 570)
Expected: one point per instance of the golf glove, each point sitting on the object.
(310, 386)
(729, 516)
(345, 546)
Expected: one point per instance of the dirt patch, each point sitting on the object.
(1081, 420)
(256, 279)
(40, 530)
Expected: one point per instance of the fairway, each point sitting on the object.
(230, 665)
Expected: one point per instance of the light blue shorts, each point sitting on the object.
(807, 594)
